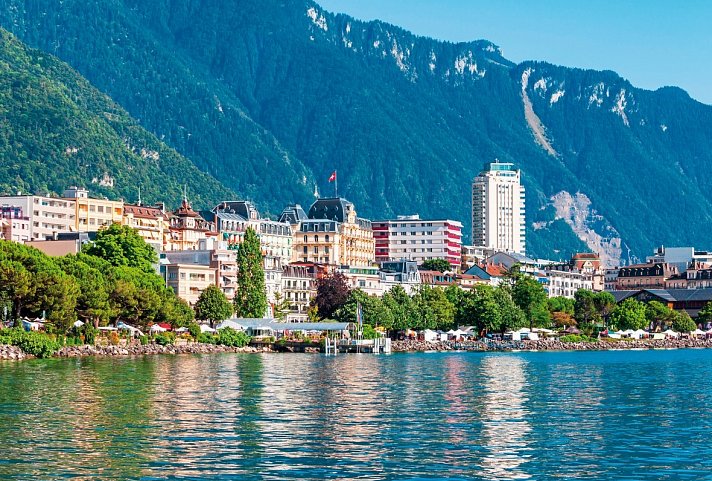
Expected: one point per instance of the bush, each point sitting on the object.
(165, 338)
(194, 329)
(143, 340)
(38, 344)
(232, 338)
(370, 333)
(114, 338)
(577, 338)
(207, 338)
(90, 332)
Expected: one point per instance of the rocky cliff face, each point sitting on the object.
(270, 96)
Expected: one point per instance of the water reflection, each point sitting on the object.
(506, 423)
(467, 416)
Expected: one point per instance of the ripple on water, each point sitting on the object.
(608, 415)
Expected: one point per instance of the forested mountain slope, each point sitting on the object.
(270, 96)
(56, 131)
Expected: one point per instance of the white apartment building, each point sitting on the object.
(408, 237)
(565, 282)
(47, 215)
(498, 208)
(298, 288)
(366, 279)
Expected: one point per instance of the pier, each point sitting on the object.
(381, 345)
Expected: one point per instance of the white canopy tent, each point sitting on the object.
(638, 334)
(206, 328)
(157, 328)
(125, 327)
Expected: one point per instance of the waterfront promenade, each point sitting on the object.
(402, 346)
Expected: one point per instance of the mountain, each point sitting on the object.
(270, 96)
(58, 130)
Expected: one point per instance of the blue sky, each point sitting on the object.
(651, 43)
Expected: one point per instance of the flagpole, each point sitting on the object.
(336, 184)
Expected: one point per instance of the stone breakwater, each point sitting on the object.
(15, 353)
(549, 345)
(12, 353)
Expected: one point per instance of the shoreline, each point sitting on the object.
(14, 353)
(550, 345)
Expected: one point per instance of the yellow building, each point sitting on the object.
(151, 223)
(93, 214)
(333, 234)
(187, 228)
(189, 280)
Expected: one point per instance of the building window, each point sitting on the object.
(316, 249)
(316, 238)
(306, 250)
(326, 238)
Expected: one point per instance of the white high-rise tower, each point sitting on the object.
(498, 208)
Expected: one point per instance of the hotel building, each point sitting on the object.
(411, 238)
(498, 208)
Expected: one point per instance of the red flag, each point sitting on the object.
(332, 178)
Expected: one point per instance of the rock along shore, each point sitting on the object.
(549, 345)
(15, 353)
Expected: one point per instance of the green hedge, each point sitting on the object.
(38, 344)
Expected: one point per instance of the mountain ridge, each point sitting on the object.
(275, 98)
(59, 131)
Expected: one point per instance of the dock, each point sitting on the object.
(382, 345)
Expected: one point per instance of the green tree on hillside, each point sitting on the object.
(251, 295)
(213, 306)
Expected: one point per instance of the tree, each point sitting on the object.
(563, 319)
(121, 245)
(682, 322)
(251, 295)
(560, 304)
(512, 317)
(705, 314)
(332, 292)
(375, 312)
(585, 311)
(93, 305)
(440, 265)
(402, 307)
(175, 311)
(604, 302)
(484, 307)
(15, 286)
(441, 307)
(629, 314)
(281, 306)
(529, 295)
(658, 314)
(212, 305)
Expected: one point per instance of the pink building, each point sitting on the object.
(412, 238)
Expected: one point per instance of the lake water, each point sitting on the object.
(563, 415)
